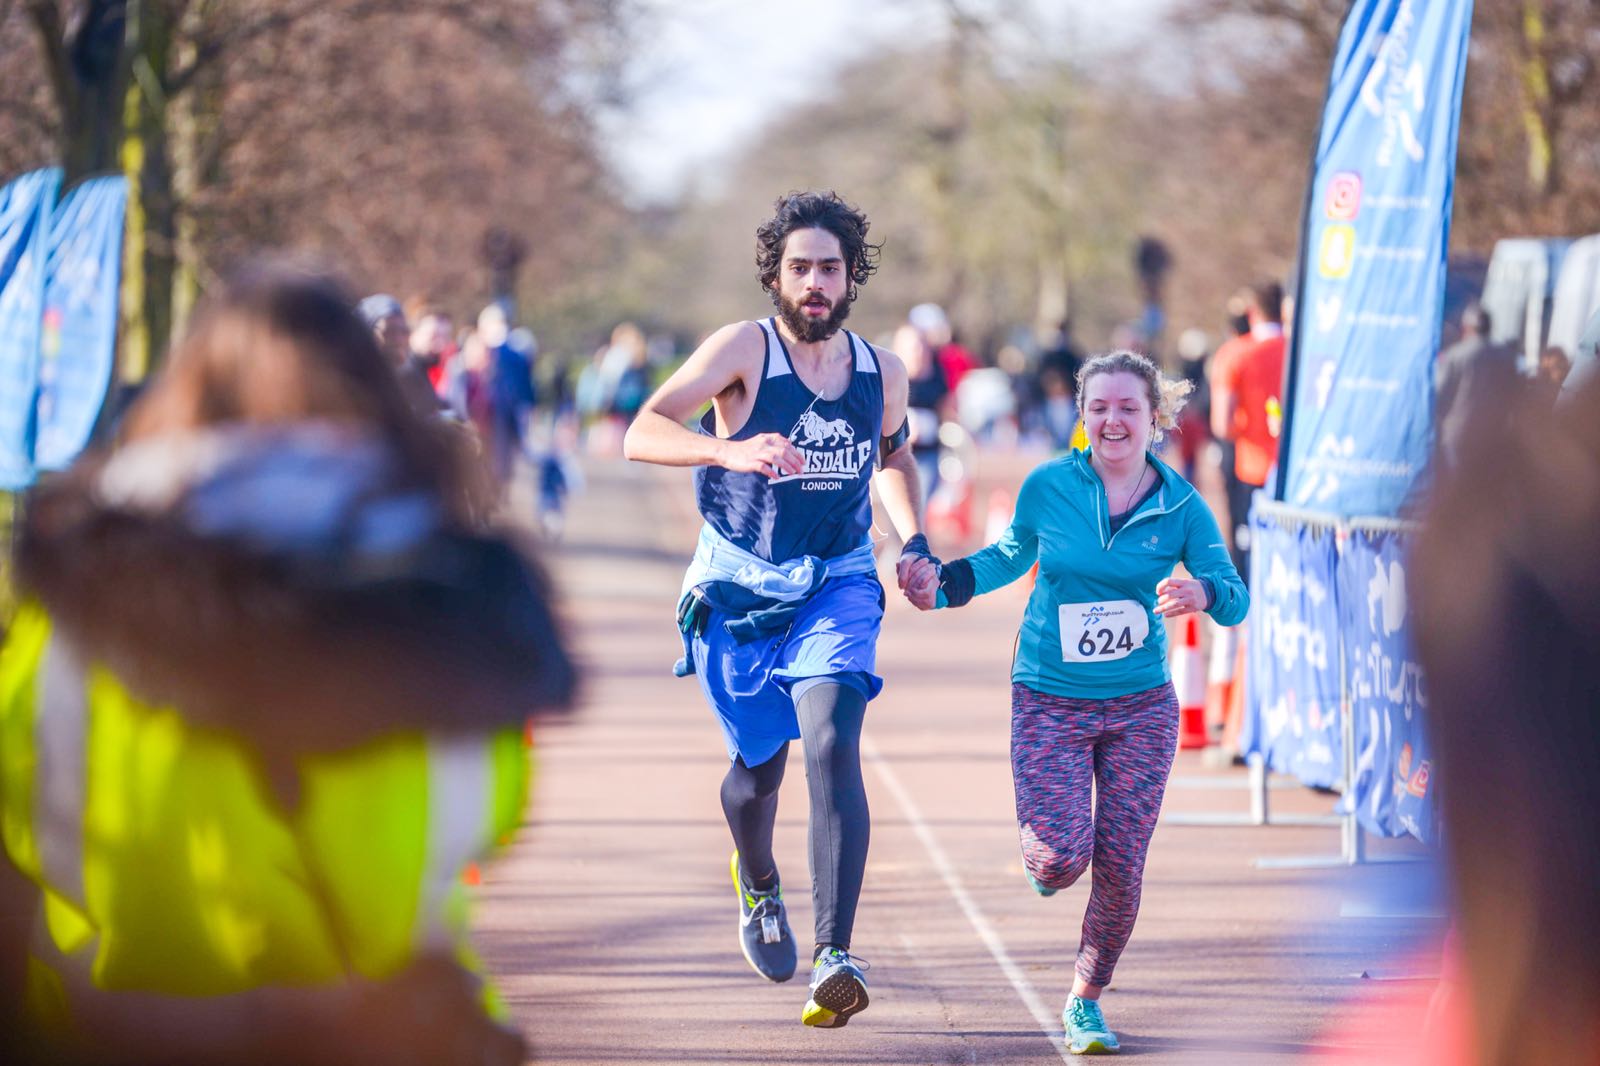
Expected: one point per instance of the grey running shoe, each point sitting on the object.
(764, 935)
(1087, 1032)
(838, 991)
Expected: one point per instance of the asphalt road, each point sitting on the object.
(610, 925)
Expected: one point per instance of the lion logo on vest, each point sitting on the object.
(813, 429)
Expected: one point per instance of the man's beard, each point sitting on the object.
(808, 329)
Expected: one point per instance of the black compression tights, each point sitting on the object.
(830, 729)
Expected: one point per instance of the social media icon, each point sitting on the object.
(1344, 196)
(1328, 308)
(1337, 255)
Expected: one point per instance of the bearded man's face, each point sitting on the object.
(813, 285)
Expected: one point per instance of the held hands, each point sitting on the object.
(919, 580)
(1179, 596)
(766, 453)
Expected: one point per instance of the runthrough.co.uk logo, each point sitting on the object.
(1097, 613)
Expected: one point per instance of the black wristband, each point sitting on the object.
(917, 545)
(1211, 593)
(958, 583)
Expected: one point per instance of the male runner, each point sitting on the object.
(781, 605)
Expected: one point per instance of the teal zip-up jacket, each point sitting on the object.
(1090, 630)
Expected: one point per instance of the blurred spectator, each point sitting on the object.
(925, 404)
(1508, 590)
(1060, 354)
(1059, 410)
(1476, 385)
(627, 351)
(953, 359)
(632, 387)
(1552, 374)
(387, 320)
(273, 600)
(1223, 380)
(1194, 420)
(432, 343)
(511, 395)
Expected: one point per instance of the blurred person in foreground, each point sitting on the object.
(781, 607)
(1094, 718)
(263, 701)
(1508, 586)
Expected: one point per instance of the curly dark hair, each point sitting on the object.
(816, 210)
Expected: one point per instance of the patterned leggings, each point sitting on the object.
(1125, 748)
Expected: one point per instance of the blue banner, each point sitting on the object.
(1292, 693)
(1388, 699)
(1358, 428)
(25, 206)
(77, 347)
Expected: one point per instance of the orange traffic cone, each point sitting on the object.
(1219, 675)
(1233, 720)
(1189, 679)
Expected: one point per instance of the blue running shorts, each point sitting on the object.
(835, 632)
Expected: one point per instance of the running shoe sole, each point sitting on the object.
(835, 1001)
(1094, 1047)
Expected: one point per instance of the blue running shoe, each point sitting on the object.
(1086, 1028)
(838, 991)
(764, 935)
(1043, 890)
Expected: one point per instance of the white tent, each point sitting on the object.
(1577, 295)
(1517, 292)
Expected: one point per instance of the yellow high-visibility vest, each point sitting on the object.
(167, 866)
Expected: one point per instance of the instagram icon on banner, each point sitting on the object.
(1344, 195)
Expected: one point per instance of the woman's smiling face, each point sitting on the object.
(1117, 415)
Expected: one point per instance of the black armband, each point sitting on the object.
(917, 545)
(887, 446)
(958, 583)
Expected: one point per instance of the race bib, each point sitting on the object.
(1102, 632)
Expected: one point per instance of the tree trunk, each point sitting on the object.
(150, 260)
(88, 73)
(1537, 115)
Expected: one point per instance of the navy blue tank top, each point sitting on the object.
(826, 509)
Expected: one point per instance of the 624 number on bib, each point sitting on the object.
(1103, 631)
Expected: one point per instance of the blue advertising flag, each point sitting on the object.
(25, 206)
(77, 345)
(1358, 422)
(1292, 691)
(1388, 700)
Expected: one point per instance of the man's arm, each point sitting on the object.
(899, 485)
(729, 358)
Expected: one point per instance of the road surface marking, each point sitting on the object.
(1047, 1018)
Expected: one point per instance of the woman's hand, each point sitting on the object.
(921, 584)
(1178, 596)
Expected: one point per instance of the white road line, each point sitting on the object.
(1047, 1019)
